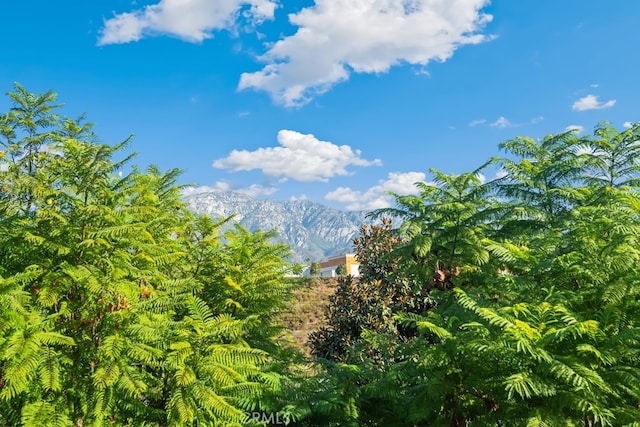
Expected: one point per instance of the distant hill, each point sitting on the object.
(312, 230)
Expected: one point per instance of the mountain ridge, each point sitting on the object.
(312, 230)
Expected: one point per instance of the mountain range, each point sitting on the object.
(313, 231)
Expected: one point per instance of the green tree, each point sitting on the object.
(341, 270)
(559, 345)
(539, 328)
(362, 303)
(361, 340)
(26, 127)
(244, 277)
(107, 316)
(314, 268)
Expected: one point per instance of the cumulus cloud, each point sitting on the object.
(576, 128)
(627, 125)
(590, 102)
(501, 122)
(337, 37)
(193, 20)
(253, 190)
(377, 197)
(301, 157)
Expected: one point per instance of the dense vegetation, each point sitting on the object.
(513, 302)
(507, 303)
(117, 305)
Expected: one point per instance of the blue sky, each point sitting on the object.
(335, 101)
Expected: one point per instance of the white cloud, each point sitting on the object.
(193, 20)
(301, 157)
(501, 122)
(377, 197)
(590, 102)
(500, 174)
(256, 190)
(576, 128)
(218, 186)
(627, 125)
(474, 123)
(337, 37)
(253, 190)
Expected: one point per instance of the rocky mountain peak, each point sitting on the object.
(313, 231)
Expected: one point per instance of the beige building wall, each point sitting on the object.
(328, 267)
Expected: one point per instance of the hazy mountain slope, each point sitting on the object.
(312, 230)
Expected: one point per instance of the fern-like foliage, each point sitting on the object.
(539, 327)
(109, 311)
